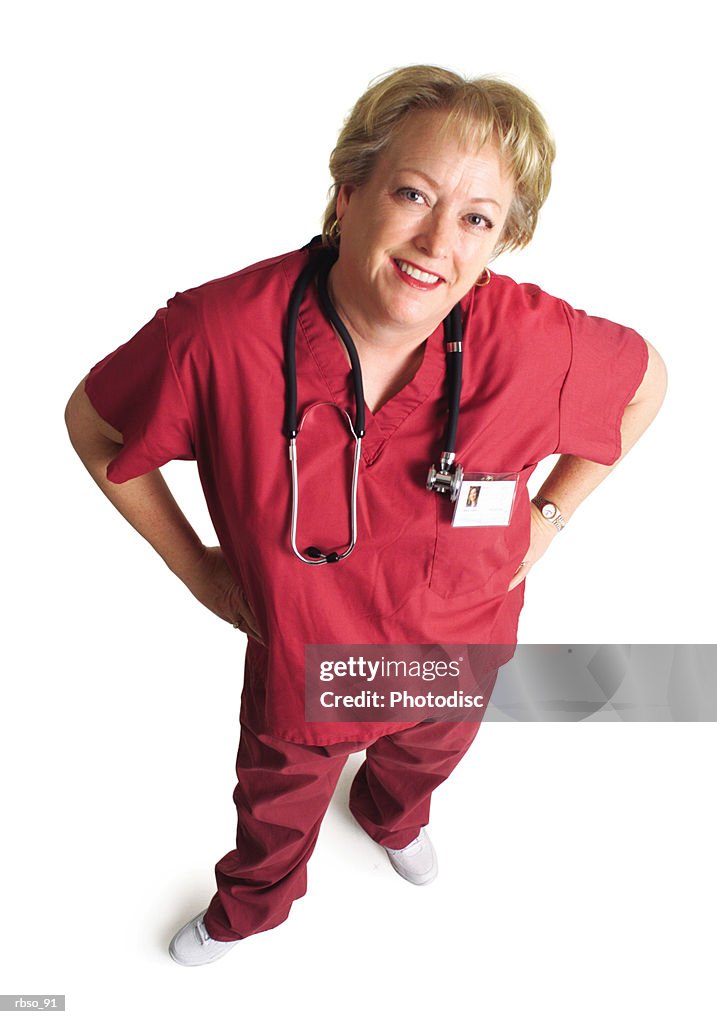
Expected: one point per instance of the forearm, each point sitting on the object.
(149, 506)
(145, 502)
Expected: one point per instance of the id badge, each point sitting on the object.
(485, 499)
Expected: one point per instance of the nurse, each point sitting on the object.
(433, 176)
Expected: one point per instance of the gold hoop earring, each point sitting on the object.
(335, 230)
(482, 284)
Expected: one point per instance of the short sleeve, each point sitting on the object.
(607, 364)
(136, 389)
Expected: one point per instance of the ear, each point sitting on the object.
(342, 199)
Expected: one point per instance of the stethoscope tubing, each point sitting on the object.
(454, 372)
(297, 295)
(293, 458)
(359, 427)
(320, 263)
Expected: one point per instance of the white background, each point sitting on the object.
(155, 146)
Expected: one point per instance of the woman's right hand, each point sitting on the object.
(212, 583)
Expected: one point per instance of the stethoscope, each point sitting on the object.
(446, 479)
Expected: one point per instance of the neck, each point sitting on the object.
(381, 343)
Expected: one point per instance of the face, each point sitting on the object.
(418, 234)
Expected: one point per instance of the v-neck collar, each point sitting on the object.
(331, 360)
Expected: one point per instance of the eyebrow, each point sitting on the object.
(435, 185)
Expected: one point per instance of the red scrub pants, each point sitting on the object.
(282, 795)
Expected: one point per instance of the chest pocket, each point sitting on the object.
(480, 559)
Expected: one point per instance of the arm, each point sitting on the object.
(149, 506)
(573, 479)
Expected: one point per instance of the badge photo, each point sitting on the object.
(485, 499)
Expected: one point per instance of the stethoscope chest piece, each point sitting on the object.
(447, 479)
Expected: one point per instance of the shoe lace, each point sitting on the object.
(202, 933)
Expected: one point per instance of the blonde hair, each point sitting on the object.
(477, 111)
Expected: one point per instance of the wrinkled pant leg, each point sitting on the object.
(282, 795)
(391, 792)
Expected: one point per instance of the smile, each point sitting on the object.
(416, 276)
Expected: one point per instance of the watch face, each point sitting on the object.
(549, 510)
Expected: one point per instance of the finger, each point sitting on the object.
(520, 573)
(248, 617)
(247, 613)
(247, 628)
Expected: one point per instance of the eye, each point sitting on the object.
(412, 195)
(477, 220)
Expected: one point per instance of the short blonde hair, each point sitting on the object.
(477, 110)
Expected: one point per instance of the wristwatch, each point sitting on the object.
(550, 511)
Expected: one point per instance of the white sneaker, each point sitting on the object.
(193, 946)
(417, 862)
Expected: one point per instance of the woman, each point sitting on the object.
(433, 176)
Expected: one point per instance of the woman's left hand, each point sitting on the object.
(541, 534)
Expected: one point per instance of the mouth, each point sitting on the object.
(417, 276)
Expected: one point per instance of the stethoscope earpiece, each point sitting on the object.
(320, 557)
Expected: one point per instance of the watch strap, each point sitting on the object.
(550, 511)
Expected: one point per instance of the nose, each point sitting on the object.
(436, 234)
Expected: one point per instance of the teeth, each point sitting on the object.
(419, 275)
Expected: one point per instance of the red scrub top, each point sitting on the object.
(204, 380)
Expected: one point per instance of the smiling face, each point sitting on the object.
(418, 234)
